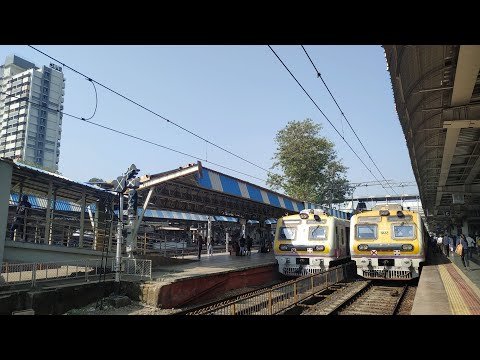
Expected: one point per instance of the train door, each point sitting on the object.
(347, 240)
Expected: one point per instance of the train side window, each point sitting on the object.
(366, 231)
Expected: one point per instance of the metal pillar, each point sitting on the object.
(47, 216)
(52, 215)
(95, 225)
(82, 219)
(118, 257)
(209, 230)
(227, 240)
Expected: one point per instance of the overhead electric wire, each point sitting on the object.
(325, 116)
(96, 100)
(343, 114)
(153, 112)
(133, 136)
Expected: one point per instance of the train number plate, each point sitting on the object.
(302, 261)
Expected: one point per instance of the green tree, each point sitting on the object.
(95, 180)
(309, 165)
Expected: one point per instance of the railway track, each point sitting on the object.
(362, 298)
(323, 294)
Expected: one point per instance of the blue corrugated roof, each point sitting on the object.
(214, 180)
(226, 218)
(165, 214)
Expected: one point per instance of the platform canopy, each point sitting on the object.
(39, 183)
(437, 98)
(194, 188)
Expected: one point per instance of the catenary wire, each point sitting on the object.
(319, 75)
(325, 116)
(151, 111)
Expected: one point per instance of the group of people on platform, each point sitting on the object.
(448, 244)
(239, 246)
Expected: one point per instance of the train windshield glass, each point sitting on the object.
(367, 231)
(317, 233)
(403, 232)
(287, 233)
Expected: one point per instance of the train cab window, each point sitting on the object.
(287, 233)
(366, 231)
(317, 232)
(403, 232)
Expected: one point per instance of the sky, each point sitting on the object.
(236, 96)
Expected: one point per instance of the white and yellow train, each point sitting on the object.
(310, 242)
(388, 242)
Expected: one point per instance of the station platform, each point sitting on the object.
(446, 288)
(174, 286)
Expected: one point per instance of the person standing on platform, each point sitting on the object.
(249, 244)
(210, 247)
(20, 220)
(464, 255)
(242, 245)
(440, 243)
(200, 243)
(471, 246)
(446, 245)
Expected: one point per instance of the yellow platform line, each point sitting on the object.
(466, 287)
(457, 305)
(469, 282)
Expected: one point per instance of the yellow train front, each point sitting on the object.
(310, 242)
(388, 242)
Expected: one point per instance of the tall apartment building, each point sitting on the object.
(30, 121)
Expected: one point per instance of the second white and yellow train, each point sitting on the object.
(388, 242)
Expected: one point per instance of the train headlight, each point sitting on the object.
(283, 247)
(364, 262)
(303, 216)
(319, 247)
(407, 262)
(407, 247)
(362, 247)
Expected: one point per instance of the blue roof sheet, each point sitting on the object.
(41, 203)
(214, 180)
